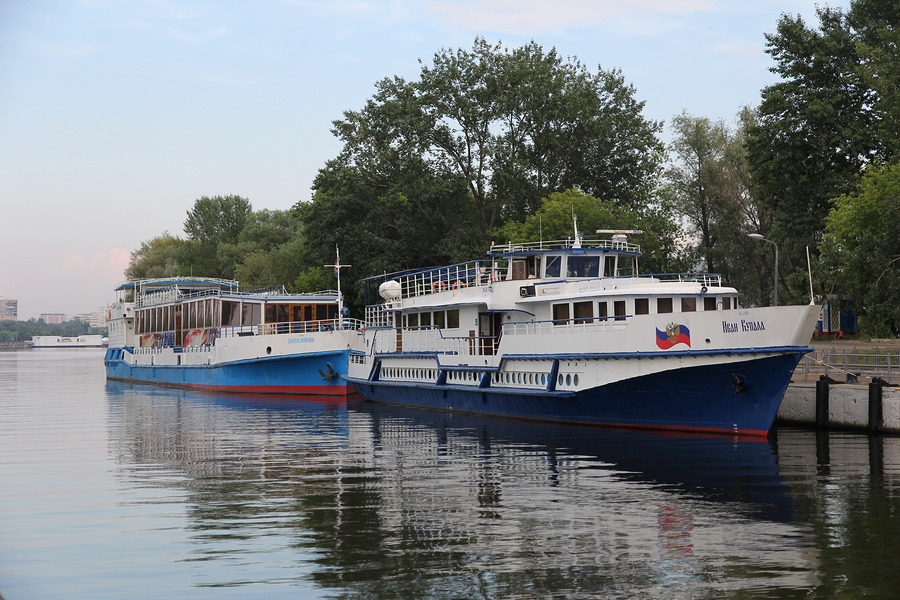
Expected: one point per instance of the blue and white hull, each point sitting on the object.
(731, 394)
(316, 373)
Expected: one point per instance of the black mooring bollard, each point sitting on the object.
(876, 422)
(822, 402)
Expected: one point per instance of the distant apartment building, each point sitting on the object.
(94, 319)
(9, 309)
(53, 318)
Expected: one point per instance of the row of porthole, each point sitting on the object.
(397, 373)
(520, 378)
(508, 378)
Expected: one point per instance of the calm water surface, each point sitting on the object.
(109, 490)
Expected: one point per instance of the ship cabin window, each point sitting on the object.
(726, 303)
(583, 266)
(453, 319)
(609, 265)
(709, 303)
(412, 320)
(231, 313)
(583, 312)
(440, 319)
(619, 310)
(688, 304)
(251, 313)
(552, 266)
(560, 314)
(642, 306)
(277, 313)
(664, 305)
(425, 319)
(601, 310)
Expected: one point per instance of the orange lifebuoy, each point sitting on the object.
(438, 286)
(458, 284)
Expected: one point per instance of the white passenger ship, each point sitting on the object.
(212, 334)
(569, 331)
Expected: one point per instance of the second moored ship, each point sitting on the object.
(211, 334)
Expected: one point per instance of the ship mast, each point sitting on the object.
(337, 266)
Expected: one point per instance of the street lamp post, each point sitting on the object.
(757, 236)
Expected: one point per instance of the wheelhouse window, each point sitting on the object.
(688, 304)
(552, 266)
(726, 303)
(560, 314)
(519, 269)
(583, 266)
(664, 305)
(609, 266)
(709, 303)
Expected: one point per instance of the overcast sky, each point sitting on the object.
(116, 115)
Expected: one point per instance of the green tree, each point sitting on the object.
(833, 113)
(509, 126)
(213, 224)
(255, 257)
(219, 219)
(861, 249)
(710, 184)
(387, 219)
(157, 257)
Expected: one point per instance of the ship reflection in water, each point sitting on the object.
(363, 500)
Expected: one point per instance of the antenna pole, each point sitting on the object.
(809, 271)
(337, 273)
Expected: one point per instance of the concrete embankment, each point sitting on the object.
(871, 407)
(846, 385)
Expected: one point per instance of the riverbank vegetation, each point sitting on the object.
(14, 332)
(499, 144)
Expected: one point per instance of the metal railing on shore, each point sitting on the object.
(839, 363)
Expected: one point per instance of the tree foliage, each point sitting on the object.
(12, 332)
(157, 257)
(833, 113)
(710, 185)
(509, 127)
(261, 248)
(861, 249)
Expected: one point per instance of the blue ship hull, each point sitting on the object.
(320, 373)
(733, 397)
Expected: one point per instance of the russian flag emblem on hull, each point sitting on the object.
(674, 334)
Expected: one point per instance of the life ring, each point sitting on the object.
(458, 285)
(438, 286)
